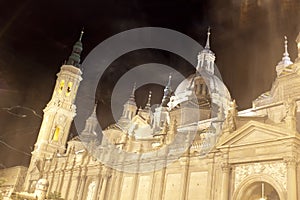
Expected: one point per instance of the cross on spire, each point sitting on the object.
(81, 34)
(207, 46)
(286, 53)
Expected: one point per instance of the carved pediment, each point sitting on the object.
(251, 133)
(139, 120)
(140, 128)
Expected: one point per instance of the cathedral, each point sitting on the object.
(194, 145)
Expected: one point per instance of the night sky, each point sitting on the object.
(36, 37)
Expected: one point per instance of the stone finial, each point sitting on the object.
(167, 93)
(148, 105)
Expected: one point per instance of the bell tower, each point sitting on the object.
(58, 116)
(60, 111)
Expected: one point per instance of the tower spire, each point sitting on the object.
(131, 99)
(91, 125)
(133, 91)
(207, 46)
(148, 105)
(206, 57)
(130, 108)
(286, 60)
(74, 58)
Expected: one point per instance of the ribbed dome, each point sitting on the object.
(217, 91)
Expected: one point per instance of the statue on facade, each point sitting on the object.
(290, 116)
(229, 124)
(291, 107)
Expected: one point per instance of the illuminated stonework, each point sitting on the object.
(253, 146)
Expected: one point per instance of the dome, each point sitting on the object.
(216, 90)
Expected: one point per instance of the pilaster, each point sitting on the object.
(291, 163)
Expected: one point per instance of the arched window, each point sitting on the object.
(69, 89)
(61, 86)
(56, 134)
(200, 88)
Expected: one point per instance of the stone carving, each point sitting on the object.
(225, 167)
(277, 170)
(290, 161)
(62, 119)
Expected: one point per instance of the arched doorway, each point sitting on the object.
(260, 190)
(259, 187)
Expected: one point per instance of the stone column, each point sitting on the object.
(27, 182)
(69, 184)
(82, 186)
(186, 165)
(62, 180)
(51, 181)
(97, 187)
(75, 197)
(291, 164)
(225, 181)
(103, 188)
(116, 190)
(58, 181)
(52, 172)
(135, 181)
(163, 178)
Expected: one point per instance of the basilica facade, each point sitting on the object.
(195, 145)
